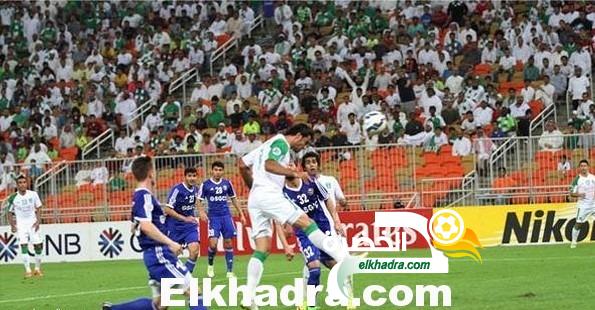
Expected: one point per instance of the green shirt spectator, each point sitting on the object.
(304, 14)
(117, 183)
(216, 117)
(52, 153)
(22, 153)
(531, 73)
(16, 28)
(251, 126)
(506, 123)
(48, 34)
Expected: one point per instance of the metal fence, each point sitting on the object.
(101, 189)
(519, 170)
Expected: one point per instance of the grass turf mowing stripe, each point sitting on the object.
(120, 289)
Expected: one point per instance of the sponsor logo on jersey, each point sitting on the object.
(110, 242)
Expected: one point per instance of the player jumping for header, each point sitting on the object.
(160, 253)
(181, 222)
(264, 171)
(215, 192)
(583, 188)
(23, 216)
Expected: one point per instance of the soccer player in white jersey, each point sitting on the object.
(264, 171)
(23, 216)
(331, 185)
(583, 188)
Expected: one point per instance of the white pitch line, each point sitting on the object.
(116, 290)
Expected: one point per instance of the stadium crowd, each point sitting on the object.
(444, 72)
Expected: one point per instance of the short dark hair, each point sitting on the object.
(310, 155)
(217, 164)
(583, 161)
(141, 167)
(302, 129)
(21, 176)
(189, 170)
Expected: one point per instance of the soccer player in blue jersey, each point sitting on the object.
(215, 192)
(315, 200)
(160, 253)
(181, 222)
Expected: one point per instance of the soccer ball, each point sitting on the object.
(446, 227)
(374, 123)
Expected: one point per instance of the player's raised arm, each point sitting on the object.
(574, 189)
(10, 213)
(339, 196)
(236, 205)
(200, 205)
(152, 232)
(245, 171)
(281, 235)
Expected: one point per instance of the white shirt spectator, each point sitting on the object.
(123, 144)
(427, 102)
(50, 132)
(289, 104)
(454, 83)
(124, 58)
(99, 175)
(96, 108)
(180, 65)
(215, 89)
(507, 63)
(239, 147)
(126, 108)
(143, 133)
(434, 141)
(344, 110)
(83, 177)
(483, 116)
(489, 55)
(244, 90)
(577, 86)
(551, 140)
(582, 59)
(564, 166)
(584, 109)
(528, 93)
(196, 56)
(152, 122)
(353, 132)
(461, 147)
(517, 111)
(199, 93)
(546, 94)
(40, 158)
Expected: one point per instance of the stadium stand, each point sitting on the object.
(86, 86)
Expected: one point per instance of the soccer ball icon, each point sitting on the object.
(446, 226)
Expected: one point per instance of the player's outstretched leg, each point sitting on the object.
(194, 249)
(228, 245)
(137, 304)
(575, 232)
(328, 244)
(38, 254)
(212, 251)
(25, 255)
(256, 268)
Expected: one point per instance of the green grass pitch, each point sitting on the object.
(530, 277)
